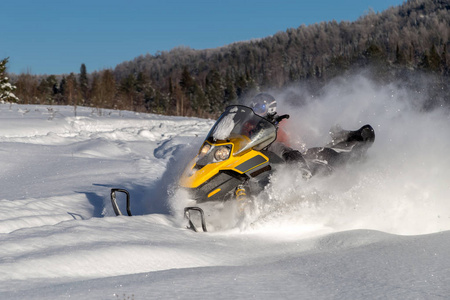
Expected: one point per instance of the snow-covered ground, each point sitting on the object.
(374, 230)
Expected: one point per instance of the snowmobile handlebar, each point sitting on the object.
(278, 119)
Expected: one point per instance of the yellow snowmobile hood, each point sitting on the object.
(196, 175)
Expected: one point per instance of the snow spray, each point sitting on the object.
(402, 186)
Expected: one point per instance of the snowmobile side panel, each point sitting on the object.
(218, 187)
(251, 163)
(214, 192)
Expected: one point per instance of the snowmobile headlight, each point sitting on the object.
(222, 153)
(205, 149)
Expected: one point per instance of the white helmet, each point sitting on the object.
(264, 104)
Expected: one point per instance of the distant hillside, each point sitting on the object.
(413, 37)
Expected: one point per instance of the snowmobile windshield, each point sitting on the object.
(244, 128)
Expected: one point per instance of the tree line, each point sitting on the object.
(412, 37)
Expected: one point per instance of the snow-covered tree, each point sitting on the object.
(6, 88)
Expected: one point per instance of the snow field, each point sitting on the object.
(376, 229)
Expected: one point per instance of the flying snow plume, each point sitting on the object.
(401, 187)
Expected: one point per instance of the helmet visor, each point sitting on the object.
(260, 108)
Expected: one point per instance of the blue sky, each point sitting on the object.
(56, 37)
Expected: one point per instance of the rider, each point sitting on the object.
(345, 145)
(265, 105)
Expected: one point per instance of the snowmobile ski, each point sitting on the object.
(114, 201)
(187, 215)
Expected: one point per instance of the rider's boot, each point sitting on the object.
(363, 134)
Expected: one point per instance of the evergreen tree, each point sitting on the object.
(95, 93)
(431, 60)
(215, 91)
(6, 88)
(62, 91)
(444, 65)
(435, 59)
(107, 90)
(198, 100)
(400, 57)
(47, 89)
(230, 90)
(128, 93)
(187, 84)
(83, 84)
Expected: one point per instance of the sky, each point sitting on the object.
(56, 37)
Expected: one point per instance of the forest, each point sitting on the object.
(403, 40)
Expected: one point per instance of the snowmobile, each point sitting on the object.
(233, 161)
